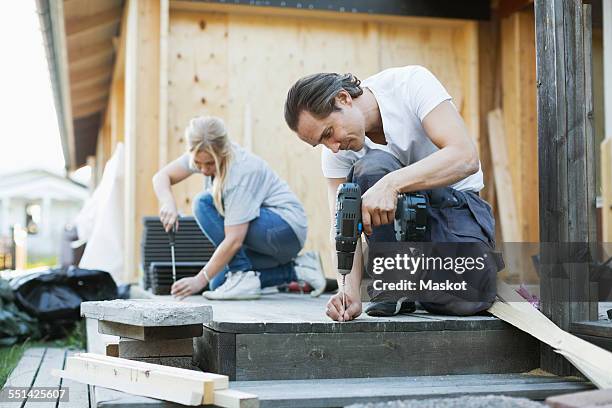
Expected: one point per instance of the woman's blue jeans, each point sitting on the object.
(269, 247)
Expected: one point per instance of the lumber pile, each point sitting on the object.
(156, 381)
(594, 362)
(150, 331)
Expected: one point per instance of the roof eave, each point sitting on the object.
(50, 13)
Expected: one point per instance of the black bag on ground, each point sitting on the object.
(57, 294)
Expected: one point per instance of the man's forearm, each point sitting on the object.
(439, 169)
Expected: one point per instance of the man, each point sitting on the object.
(398, 131)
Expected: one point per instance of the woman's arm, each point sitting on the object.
(172, 173)
(234, 237)
(456, 160)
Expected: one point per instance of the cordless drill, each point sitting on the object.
(410, 222)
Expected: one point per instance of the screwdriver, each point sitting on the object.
(171, 238)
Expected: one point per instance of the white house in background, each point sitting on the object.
(43, 202)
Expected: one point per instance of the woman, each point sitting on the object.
(253, 219)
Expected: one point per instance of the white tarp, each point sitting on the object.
(100, 222)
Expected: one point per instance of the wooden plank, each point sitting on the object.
(606, 188)
(146, 333)
(77, 391)
(142, 80)
(90, 74)
(90, 98)
(594, 362)
(292, 393)
(112, 350)
(300, 393)
(89, 108)
(24, 374)
(216, 352)
(488, 49)
(508, 7)
(82, 24)
(150, 381)
(600, 328)
(54, 359)
(298, 13)
(275, 356)
(597, 398)
(100, 88)
(503, 180)
(128, 348)
(219, 382)
(235, 399)
(88, 51)
(566, 202)
(603, 342)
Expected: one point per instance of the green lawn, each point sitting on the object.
(9, 356)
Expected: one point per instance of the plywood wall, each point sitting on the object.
(240, 66)
(520, 116)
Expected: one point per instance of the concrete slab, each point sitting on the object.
(147, 312)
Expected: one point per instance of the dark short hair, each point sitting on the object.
(316, 94)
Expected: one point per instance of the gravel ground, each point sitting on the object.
(487, 401)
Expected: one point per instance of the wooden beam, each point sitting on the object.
(567, 201)
(508, 7)
(594, 362)
(79, 25)
(90, 97)
(178, 5)
(81, 75)
(76, 54)
(520, 122)
(142, 104)
(139, 379)
(84, 84)
(95, 89)
(606, 145)
(503, 181)
(89, 108)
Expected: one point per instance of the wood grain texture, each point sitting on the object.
(567, 203)
(380, 354)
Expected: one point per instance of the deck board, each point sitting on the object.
(24, 374)
(342, 392)
(53, 359)
(294, 313)
(78, 392)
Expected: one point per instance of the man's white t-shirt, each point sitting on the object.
(405, 96)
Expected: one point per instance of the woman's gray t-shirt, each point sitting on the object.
(251, 184)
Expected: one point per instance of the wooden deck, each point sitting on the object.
(288, 337)
(34, 370)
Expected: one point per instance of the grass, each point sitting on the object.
(36, 262)
(9, 356)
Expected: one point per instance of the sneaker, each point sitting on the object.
(237, 286)
(385, 309)
(308, 269)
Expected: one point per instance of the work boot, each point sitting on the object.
(385, 309)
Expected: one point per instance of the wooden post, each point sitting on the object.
(566, 163)
(142, 88)
(606, 145)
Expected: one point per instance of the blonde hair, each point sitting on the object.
(208, 134)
